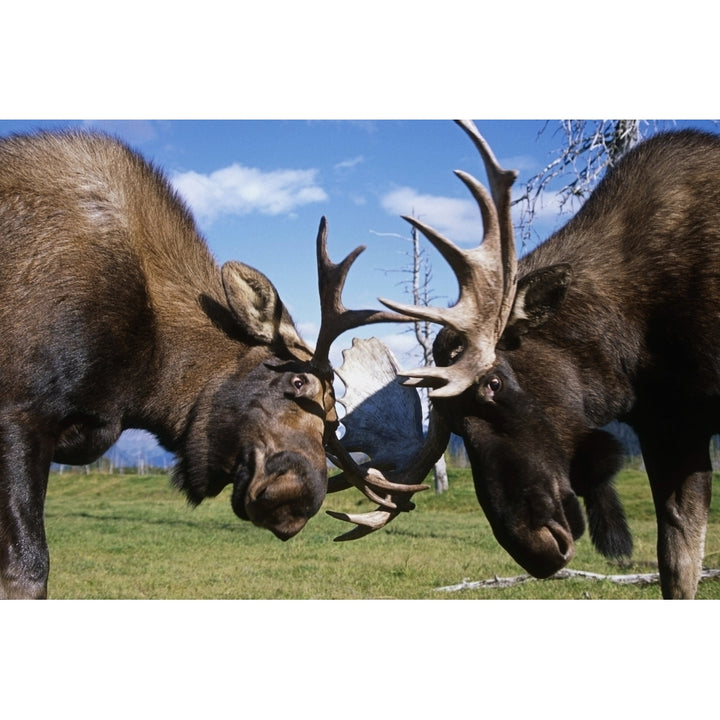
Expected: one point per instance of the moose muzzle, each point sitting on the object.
(279, 492)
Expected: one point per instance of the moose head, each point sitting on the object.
(276, 459)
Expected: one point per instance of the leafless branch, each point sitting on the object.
(418, 284)
(589, 149)
(631, 579)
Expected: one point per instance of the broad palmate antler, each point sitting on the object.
(383, 420)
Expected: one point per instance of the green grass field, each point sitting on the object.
(124, 536)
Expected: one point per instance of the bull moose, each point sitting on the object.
(615, 316)
(113, 314)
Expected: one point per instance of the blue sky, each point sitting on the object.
(259, 188)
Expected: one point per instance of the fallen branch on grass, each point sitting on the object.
(634, 579)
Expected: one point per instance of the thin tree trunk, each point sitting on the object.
(441, 478)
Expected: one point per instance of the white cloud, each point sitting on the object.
(524, 164)
(548, 210)
(349, 163)
(239, 190)
(405, 348)
(459, 220)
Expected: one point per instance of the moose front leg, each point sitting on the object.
(24, 558)
(680, 475)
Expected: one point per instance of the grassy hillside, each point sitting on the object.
(116, 536)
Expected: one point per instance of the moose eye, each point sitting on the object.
(493, 384)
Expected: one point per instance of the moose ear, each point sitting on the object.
(254, 301)
(538, 297)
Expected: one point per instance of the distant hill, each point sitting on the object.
(135, 449)
(139, 449)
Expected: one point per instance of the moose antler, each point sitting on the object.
(384, 420)
(336, 319)
(487, 276)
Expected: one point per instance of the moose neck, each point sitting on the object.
(197, 343)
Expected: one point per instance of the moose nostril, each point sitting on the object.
(284, 492)
(564, 541)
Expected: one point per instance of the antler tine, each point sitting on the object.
(367, 480)
(336, 318)
(487, 276)
(371, 521)
(436, 441)
(471, 267)
(365, 523)
(499, 179)
(501, 182)
(455, 256)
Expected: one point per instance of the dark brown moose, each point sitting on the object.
(114, 315)
(615, 316)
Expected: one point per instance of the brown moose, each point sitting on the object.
(615, 316)
(114, 315)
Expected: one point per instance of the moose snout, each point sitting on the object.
(285, 492)
(542, 538)
(540, 551)
(553, 549)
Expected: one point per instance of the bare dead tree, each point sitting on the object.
(418, 284)
(421, 275)
(424, 334)
(590, 147)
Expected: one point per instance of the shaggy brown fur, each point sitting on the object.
(617, 316)
(113, 314)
